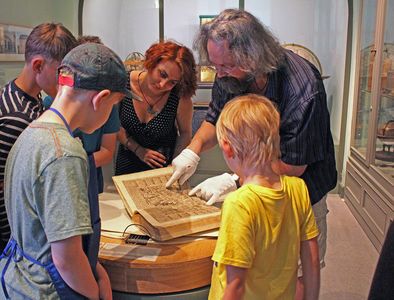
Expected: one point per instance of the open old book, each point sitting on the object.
(164, 213)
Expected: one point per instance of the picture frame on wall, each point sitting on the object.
(13, 41)
(206, 74)
(206, 18)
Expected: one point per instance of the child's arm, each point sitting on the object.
(73, 266)
(107, 150)
(104, 283)
(310, 268)
(235, 286)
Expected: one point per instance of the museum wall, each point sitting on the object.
(128, 26)
(30, 14)
(318, 25)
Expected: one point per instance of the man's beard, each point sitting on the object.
(234, 85)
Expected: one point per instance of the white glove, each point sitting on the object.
(185, 164)
(212, 188)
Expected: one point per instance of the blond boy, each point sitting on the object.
(268, 222)
(47, 186)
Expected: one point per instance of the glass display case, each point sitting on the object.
(384, 150)
(369, 189)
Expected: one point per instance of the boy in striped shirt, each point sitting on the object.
(20, 99)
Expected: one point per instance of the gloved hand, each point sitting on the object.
(212, 188)
(185, 164)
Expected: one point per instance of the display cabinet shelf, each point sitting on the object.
(369, 186)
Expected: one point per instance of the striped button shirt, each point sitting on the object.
(17, 111)
(305, 135)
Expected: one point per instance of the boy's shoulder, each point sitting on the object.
(297, 191)
(293, 181)
(8, 87)
(291, 186)
(245, 194)
(51, 140)
(43, 148)
(295, 187)
(14, 102)
(11, 90)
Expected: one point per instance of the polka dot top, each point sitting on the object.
(159, 133)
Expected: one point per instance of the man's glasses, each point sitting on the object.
(222, 68)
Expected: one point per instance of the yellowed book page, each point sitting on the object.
(170, 212)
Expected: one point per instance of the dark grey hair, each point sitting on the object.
(254, 47)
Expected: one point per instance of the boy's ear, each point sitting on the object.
(99, 98)
(227, 149)
(37, 64)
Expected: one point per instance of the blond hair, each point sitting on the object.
(250, 124)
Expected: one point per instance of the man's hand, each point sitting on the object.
(212, 188)
(185, 164)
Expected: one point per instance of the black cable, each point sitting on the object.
(145, 231)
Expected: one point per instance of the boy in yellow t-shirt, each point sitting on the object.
(268, 223)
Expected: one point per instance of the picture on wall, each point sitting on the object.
(206, 73)
(206, 18)
(12, 42)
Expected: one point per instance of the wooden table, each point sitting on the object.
(177, 267)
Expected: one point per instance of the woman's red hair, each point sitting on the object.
(171, 51)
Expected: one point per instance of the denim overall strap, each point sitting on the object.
(14, 252)
(11, 251)
(63, 119)
(91, 242)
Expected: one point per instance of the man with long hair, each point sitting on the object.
(249, 59)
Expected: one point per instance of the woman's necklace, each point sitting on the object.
(149, 109)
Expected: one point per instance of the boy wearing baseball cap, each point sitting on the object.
(47, 186)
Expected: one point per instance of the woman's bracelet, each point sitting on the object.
(136, 148)
(127, 144)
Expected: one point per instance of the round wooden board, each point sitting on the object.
(178, 267)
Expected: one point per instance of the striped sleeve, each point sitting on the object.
(11, 126)
(17, 111)
(219, 98)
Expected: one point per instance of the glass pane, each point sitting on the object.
(384, 155)
(366, 73)
(182, 18)
(124, 26)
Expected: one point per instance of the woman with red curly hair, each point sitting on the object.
(156, 124)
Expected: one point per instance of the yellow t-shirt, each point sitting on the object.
(261, 230)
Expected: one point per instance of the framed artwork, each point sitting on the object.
(206, 18)
(206, 74)
(13, 41)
